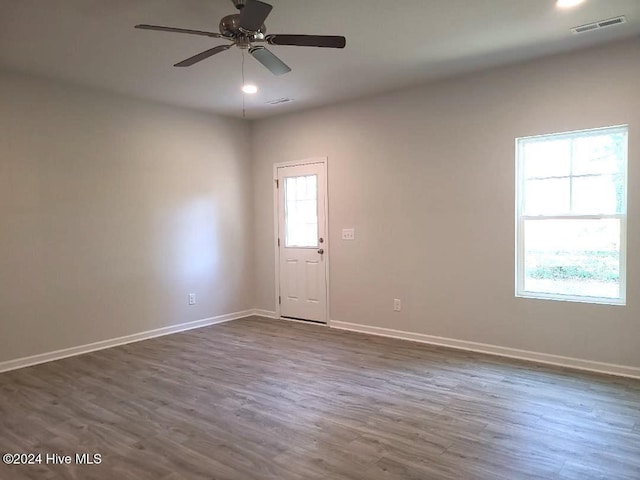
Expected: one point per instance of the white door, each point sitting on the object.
(302, 241)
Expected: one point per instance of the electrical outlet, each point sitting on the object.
(348, 234)
(397, 305)
(192, 299)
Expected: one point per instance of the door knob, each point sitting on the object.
(321, 251)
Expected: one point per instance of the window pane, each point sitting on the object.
(547, 196)
(598, 154)
(547, 158)
(598, 194)
(301, 211)
(312, 187)
(572, 257)
(301, 187)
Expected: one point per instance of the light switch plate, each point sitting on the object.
(348, 234)
(397, 305)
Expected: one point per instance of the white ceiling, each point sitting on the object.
(390, 44)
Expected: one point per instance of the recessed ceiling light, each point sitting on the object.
(568, 3)
(250, 89)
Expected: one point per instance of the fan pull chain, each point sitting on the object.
(244, 112)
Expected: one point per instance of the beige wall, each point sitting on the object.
(426, 177)
(112, 210)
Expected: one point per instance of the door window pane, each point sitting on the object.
(301, 211)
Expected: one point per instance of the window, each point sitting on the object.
(571, 216)
(301, 211)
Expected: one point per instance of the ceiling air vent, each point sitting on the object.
(601, 24)
(279, 101)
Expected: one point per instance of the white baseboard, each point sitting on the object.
(113, 342)
(264, 313)
(575, 363)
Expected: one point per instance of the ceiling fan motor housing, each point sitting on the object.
(230, 28)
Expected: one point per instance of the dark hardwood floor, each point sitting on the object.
(266, 399)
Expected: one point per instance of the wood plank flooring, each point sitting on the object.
(266, 399)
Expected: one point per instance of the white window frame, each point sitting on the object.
(521, 218)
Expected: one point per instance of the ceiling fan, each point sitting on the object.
(247, 28)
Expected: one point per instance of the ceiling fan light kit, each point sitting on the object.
(568, 3)
(247, 28)
(249, 89)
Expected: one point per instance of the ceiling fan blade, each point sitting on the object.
(269, 60)
(202, 55)
(253, 15)
(160, 28)
(328, 41)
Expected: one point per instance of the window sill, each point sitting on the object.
(618, 302)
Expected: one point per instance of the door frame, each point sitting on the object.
(276, 227)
